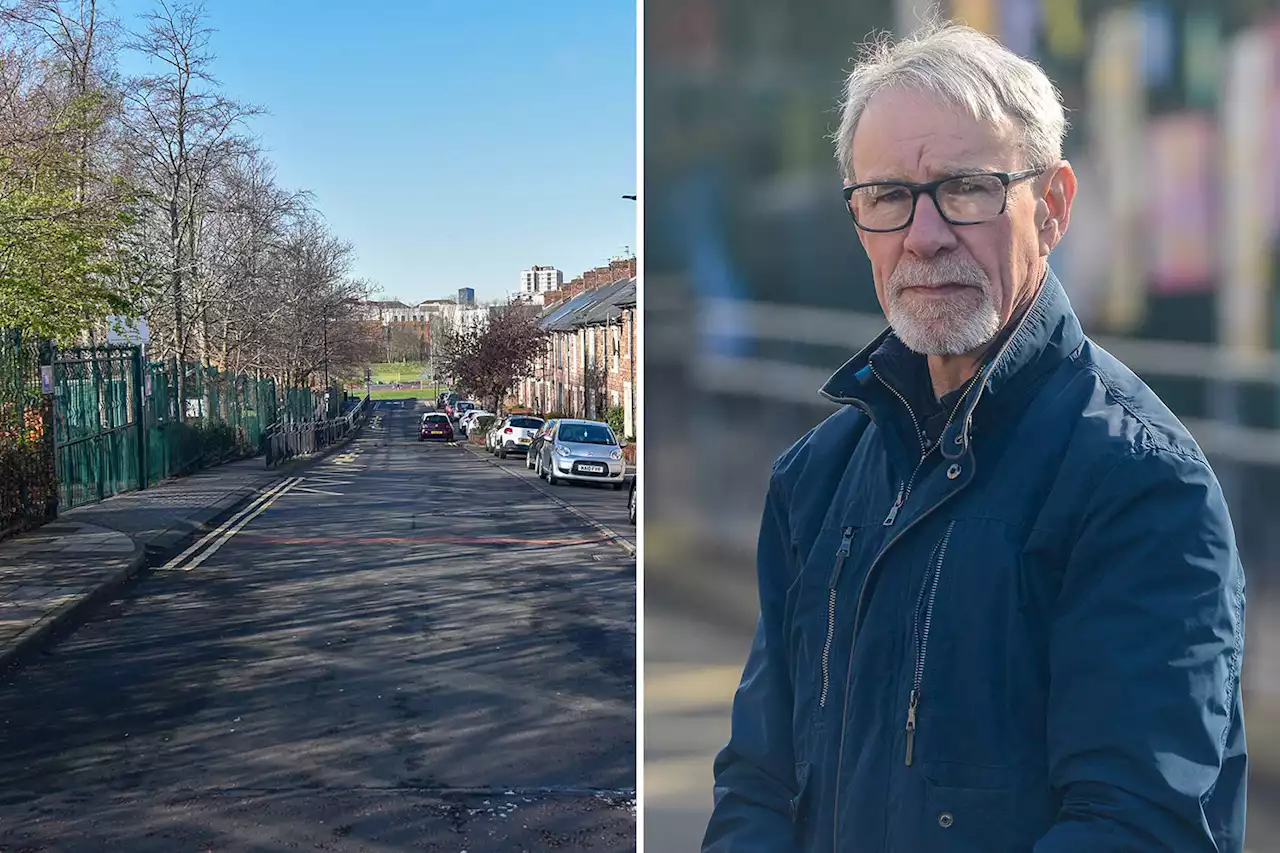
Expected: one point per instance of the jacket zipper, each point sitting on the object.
(904, 490)
(857, 614)
(926, 446)
(841, 555)
(924, 621)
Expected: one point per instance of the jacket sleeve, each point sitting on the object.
(755, 782)
(1145, 654)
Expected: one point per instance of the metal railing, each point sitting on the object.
(1220, 435)
(287, 439)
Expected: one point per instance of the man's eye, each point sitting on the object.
(890, 196)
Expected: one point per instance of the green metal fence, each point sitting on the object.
(98, 435)
(227, 416)
(28, 483)
(79, 425)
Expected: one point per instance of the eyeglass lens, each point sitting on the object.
(965, 199)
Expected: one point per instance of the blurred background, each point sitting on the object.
(756, 289)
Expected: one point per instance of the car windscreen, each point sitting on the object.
(585, 434)
(436, 419)
(525, 423)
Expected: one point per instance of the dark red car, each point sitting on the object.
(435, 425)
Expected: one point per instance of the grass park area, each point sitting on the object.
(428, 393)
(390, 373)
(397, 371)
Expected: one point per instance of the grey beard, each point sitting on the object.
(945, 329)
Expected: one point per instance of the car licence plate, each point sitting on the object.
(524, 441)
(592, 469)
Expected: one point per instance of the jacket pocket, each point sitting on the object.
(819, 609)
(800, 802)
(972, 808)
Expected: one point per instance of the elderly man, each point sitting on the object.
(1001, 601)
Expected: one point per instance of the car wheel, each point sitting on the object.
(552, 479)
(502, 453)
(537, 466)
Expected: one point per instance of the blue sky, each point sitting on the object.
(453, 142)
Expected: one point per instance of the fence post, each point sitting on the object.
(48, 439)
(140, 420)
(96, 374)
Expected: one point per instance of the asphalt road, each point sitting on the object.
(410, 649)
(598, 502)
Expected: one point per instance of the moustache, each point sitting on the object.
(933, 273)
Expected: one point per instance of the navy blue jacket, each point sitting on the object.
(1025, 637)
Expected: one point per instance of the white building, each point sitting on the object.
(540, 280)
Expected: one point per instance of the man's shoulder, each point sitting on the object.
(1120, 417)
(822, 451)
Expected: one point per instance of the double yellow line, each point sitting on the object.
(233, 525)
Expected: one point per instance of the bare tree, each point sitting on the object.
(489, 360)
(83, 42)
(182, 129)
(146, 196)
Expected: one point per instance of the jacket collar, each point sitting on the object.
(1047, 333)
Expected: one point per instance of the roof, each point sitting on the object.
(594, 306)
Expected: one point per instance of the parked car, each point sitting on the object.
(491, 435)
(535, 443)
(468, 419)
(582, 451)
(631, 501)
(513, 434)
(435, 425)
(457, 408)
(481, 424)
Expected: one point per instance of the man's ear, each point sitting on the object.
(1053, 208)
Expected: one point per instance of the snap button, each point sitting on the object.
(953, 471)
(945, 820)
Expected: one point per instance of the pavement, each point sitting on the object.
(400, 647)
(50, 575)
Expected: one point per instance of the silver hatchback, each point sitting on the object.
(582, 451)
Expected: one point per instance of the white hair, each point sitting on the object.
(961, 66)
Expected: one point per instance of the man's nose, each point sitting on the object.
(928, 232)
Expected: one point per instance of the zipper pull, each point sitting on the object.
(897, 505)
(846, 542)
(841, 554)
(911, 725)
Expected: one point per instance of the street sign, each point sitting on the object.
(121, 331)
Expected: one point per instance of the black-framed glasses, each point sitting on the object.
(882, 206)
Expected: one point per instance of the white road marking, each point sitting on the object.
(243, 519)
(317, 491)
(608, 531)
(267, 495)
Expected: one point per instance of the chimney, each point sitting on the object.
(622, 268)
